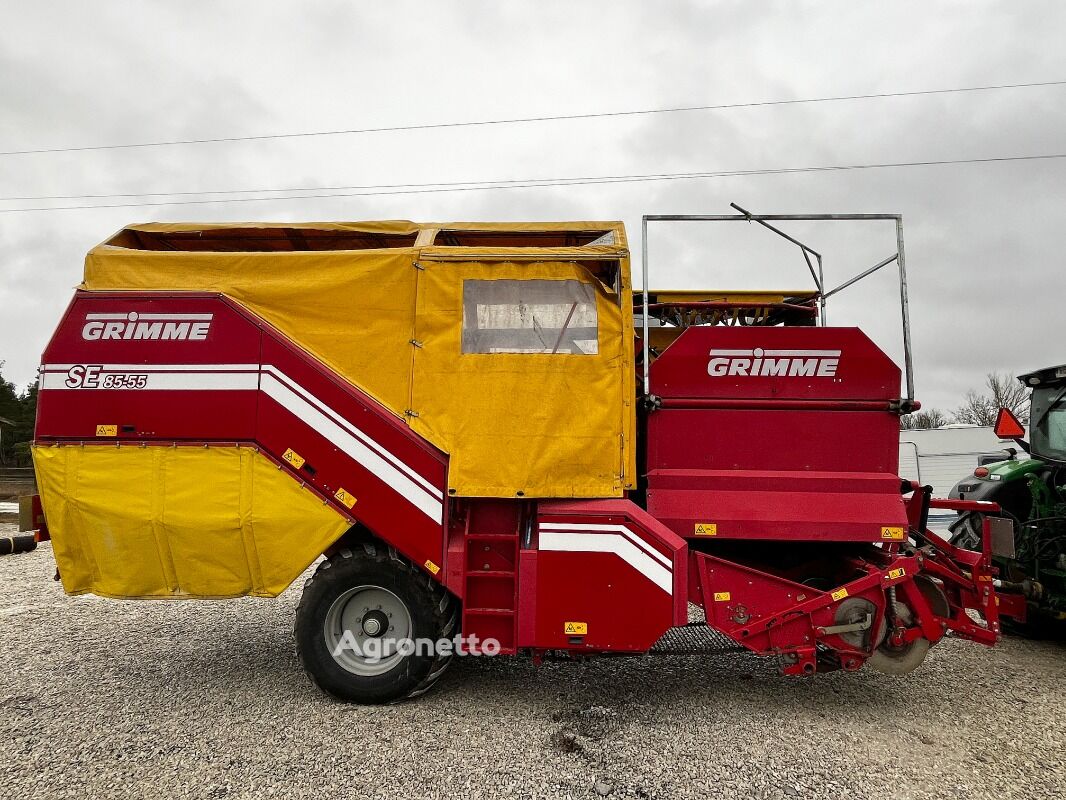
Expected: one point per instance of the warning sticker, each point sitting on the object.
(839, 594)
(721, 597)
(344, 497)
(706, 529)
(575, 628)
(294, 458)
(892, 533)
(107, 430)
(896, 573)
(428, 565)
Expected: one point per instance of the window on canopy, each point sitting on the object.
(530, 316)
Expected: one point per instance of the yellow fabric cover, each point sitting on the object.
(353, 311)
(542, 425)
(538, 424)
(178, 522)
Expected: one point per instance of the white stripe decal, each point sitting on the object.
(345, 436)
(161, 381)
(558, 541)
(778, 353)
(627, 532)
(352, 429)
(136, 316)
(353, 447)
(157, 367)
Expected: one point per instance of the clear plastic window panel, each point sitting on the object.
(1056, 428)
(534, 316)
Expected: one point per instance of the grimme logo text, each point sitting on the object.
(779, 363)
(175, 327)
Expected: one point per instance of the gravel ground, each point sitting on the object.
(102, 698)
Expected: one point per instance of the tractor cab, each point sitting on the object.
(1048, 414)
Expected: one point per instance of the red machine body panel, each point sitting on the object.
(601, 575)
(775, 433)
(818, 364)
(199, 386)
(799, 441)
(814, 506)
(220, 374)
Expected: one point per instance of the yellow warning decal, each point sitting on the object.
(293, 458)
(575, 628)
(706, 529)
(893, 533)
(896, 573)
(344, 497)
(839, 594)
(721, 597)
(428, 565)
(107, 430)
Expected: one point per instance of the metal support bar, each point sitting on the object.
(778, 404)
(803, 248)
(727, 305)
(905, 308)
(762, 221)
(853, 627)
(821, 299)
(644, 264)
(769, 217)
(862, 275)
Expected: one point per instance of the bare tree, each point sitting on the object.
(923, 420)
(1002, 391)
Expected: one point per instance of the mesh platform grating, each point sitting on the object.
(694, 639)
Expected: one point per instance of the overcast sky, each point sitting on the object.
(984, 242)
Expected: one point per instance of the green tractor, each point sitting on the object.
(1031, 491)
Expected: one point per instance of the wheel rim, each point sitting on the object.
(367, 630)
(853, 610)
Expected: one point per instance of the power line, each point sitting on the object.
(517, 120)
(482, 184)
(253, 191)
(535, 183)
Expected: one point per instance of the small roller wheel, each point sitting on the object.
(363, 621)
(899, 660)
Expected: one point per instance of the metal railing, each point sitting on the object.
(815, 267)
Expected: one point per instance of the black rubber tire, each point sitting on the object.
(966, 531)
(434, 614)
(19, 543)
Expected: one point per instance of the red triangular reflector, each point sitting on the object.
(1007, 425)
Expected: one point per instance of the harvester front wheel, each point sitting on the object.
(368, 623)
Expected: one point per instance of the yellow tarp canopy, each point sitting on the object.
(388, 317)
(176, 522)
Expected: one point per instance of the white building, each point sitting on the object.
(941, 457)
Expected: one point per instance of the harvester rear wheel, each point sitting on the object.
(364, 623)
